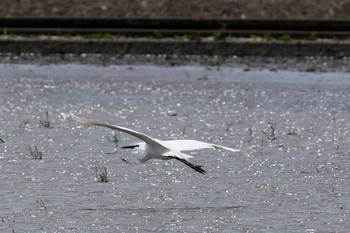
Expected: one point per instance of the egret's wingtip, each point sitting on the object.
(79, 119)
(222, 148)
(72, 115)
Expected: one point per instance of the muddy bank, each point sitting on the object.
(234, 47)
(233, 9)
(302, 64)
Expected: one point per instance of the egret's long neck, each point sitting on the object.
(142, 157)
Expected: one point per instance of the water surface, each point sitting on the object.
(292, 128)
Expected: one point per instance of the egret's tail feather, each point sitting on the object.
(195, 167)
(223, 148)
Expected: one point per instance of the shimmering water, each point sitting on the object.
(291, 176)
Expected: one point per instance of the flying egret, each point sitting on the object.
(158, 149)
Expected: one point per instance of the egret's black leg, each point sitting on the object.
(195, 167)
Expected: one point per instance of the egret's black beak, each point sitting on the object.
(129, 147)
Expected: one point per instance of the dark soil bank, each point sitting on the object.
(235, 9)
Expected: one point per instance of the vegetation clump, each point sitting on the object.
(35, 153)
(45, 123)
(103, 176)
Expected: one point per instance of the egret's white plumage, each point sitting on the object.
(159, 149)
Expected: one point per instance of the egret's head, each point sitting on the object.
(141, 147)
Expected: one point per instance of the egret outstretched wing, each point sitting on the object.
(178, 155)
(189, 144)
(134, 133)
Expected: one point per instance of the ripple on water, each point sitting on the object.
(297, 181)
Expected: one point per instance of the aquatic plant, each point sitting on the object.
(41, 205)
(228, 127)
(115, 138)
(103, 176)
(271, 136)
(35, 153)
(124, 160)
(5, 219)
(45, 123)
(23, 124)
(250, 133)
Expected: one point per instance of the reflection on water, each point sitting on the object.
(299, 181)
(172, 209)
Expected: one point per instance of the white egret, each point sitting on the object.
(158, 149)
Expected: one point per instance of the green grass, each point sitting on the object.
(197, 37)
(157, 35)
(254, 37)
(218, 35)
(285, 37)
(194, 37)
(267, 36)
(313, 36)
(98, 36)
